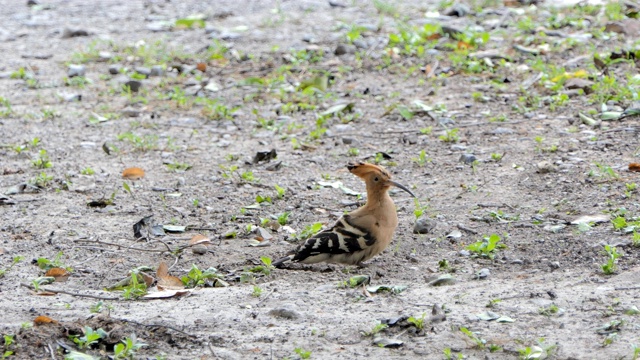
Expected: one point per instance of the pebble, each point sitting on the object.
(424, 226)
(156, 70)
(502, 131)
(143, 71)
(114, 69)
(342, 49)
(347, 140)
(467, 158)
(134, 85)
(69, 33)
(286, 311)
(483, 273)
(199, 249)
(545, 167)
(76, 70)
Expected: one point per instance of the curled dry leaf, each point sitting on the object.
(202, 67)
(41, 320)
(166, 281)
(634, 167)
(199, 239)
(59, 274)
(133, 173)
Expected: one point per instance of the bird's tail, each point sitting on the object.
(278, 263)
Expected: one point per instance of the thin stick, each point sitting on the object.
(628, 288)
(71, 293)
(159, 325)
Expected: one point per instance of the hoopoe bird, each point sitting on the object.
(361, 234)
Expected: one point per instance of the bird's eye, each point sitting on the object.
(375, 179)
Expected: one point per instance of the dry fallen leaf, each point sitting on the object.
(41, 320)
(199, 239)
(167, 294)
(59, 274)
(202, 67)
(166, 281)
(133, 173)
(634, 167)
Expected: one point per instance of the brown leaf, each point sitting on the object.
(202, 67)
(148, 279)
(133, 173)
(59, 273)
(41, 320)
(634, 167)
(199, 239)
(464, 45)
(166, 281)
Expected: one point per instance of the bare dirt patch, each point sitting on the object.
(494, 144)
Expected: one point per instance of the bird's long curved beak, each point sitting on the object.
(400, 186)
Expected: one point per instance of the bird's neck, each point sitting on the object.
(378, 199)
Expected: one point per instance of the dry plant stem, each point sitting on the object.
(53, 356)
(71, 293)
(628, 288)
(158, 325)
(265, 298)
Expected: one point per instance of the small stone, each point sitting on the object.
(467, 158)
(545, 167)
(114, 69)
(458, 10)
(264, 233)
(156, 70)
(424, 226)
(199, 249)
(134, 85)
(554, 265)
(483, 273)
(76, 70)
(502, 131)
(361, 44)
(286, 312)
(342, 49)
(69, 33)
(308, 38)
(465, 253)
(143, 71)
(347, 140)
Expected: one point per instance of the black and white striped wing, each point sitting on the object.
(342, 238)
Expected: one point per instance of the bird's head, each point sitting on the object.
(375, 176)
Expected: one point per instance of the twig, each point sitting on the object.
(120, 245)
(628, 288)
(265, 297)
(53, 356)
(70, 293)
(464, 228)
(159, 325)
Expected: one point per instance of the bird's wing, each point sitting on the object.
(343, 238)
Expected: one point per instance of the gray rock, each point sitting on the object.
(502, 131)
(361, 44)
(483, 273)
(69, 33)
(458, 10)
(467, 158)
(342, 49)
(143, 71)
(286, 311)
(114, 69)
(347, 140)
(156, 70)
(76, 70)
(424, 225)
(134, 85)
(545, 167)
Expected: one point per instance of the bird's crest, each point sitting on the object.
(361, 169)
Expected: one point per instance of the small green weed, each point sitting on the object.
(610, 266)
(487, 247)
